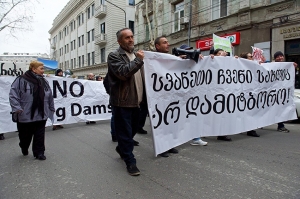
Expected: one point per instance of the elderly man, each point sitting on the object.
(126, 94)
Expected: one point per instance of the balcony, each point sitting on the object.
(53, 46)
(100, 39)
(100, 11)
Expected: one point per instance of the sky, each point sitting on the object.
(35, 41)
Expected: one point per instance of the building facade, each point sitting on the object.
(25, 58)
(271, 25)
(84, 32)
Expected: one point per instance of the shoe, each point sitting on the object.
(133, 170)
(224, 138)
(252, 133)
(54, 127)
(164, 154)
(119, 152)
(142, 131)
(136, 143)
(24, 151)
(60, 126)
(114, 138)
(283, 129)
(198, 142)
(88, 122)
(173, 150)
(2, 136)
(92, 122)
(40, 157)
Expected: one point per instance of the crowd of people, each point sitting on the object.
(32, 101)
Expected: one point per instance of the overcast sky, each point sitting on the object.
(35, 41)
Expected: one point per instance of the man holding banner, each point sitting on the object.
(126, 94)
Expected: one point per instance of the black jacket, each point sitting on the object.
(121, 79)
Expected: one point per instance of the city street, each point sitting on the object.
(82, 163)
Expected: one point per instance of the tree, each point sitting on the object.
(152, 31)
(16, 15)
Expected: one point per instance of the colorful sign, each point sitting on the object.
(222, 43)
(206, 44)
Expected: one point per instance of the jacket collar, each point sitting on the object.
(122, 51)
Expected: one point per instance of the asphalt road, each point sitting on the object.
(82, 163)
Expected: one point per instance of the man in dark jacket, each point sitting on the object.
(126, 93)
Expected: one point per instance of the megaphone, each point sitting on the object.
(190, 54)
(68, 73)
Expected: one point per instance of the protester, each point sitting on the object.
(99, 78)
(162, 45)
(196, 141)
(32, 104)
(58, 73)
(279, 57)
(2, 136)
(91, 77)
(126, 93)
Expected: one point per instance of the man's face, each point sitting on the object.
(163, 45)
(279, 58)
(126, 41)
(91, 77)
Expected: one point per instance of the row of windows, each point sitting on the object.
(65, 50)
(81, 61)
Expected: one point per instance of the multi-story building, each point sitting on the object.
(25, 58)
(271, 25)
(84, 32)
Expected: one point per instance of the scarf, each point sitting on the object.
(39, 84)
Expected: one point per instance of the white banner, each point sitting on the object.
(75, 101)
(220, 96)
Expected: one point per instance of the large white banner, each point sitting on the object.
(220, 96)
(75, 101)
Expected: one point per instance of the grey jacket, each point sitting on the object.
(21, 98)
(121, 78)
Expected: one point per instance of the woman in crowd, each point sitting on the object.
(99, 78)
(59, 73)
(32, 104)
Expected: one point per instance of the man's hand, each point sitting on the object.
(140, 54)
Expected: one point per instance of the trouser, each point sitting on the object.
(143, 115)
(280, 125)
(126, 124)
(112, 124)
(35, 130)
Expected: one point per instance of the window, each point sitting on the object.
(102, 28)
(89, 36)
(89, 59)
(82, 17)
(131, 26)
(82, 40)
(88, 12)
(79, 20)
(79, 61)
(78, 41)
(131, 2)
(179, 13)
(93, 35)
(93, 58)
(219, 9)
(71, 44)
(147, 27)
(74, 62)
(93, 9)
(74, 45)
(102, 2)
(74, 24)
(102, 55)
(82, 57)
(71, 63)
(71, 25)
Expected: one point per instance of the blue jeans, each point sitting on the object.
(126, 124)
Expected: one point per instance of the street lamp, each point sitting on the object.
(119, 8)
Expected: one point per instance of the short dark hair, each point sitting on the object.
(244, 55)
(157, 40)
(119, 33)
(217, 50)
